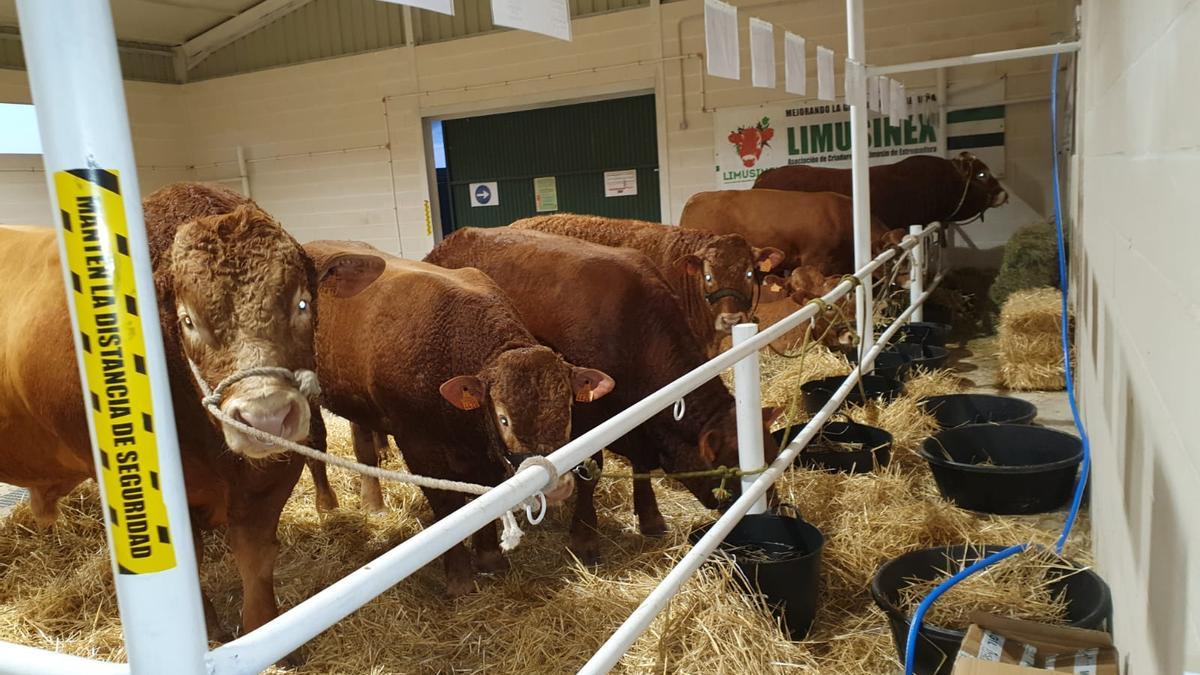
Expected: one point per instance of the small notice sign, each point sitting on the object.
(620, 183)
(484, 194)
(545, 194)
(548, 17)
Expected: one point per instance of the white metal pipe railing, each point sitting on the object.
(983, 57)
(747, 393)
(860, 174)
(75, 78)
(641, 619)
(268, 643)
(916, 276)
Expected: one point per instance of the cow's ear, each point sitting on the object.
(767, 258)
(734, 138)
(691, 264)
(770, 414)
(590, 384)
(707, 447)
(768, 134)
(465, 392)
(347, 274)
(773, 288)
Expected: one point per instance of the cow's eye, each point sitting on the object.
(981, 174)
(302, 306)
(187, 322)
(503, 421)
(708, 278)
(749, 274)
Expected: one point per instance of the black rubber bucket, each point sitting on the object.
(780, 557)
(956, 410)
(890, 363)
(1089, 602)
(924, 357)
(822, 453)
(1032, 469)
(818, 392)
(925, 333)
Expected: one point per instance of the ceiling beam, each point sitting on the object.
(203, 45)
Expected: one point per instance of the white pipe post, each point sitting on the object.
(982, 57)
(747, 395)
(860, 169)
(71, 54)
(916, 274)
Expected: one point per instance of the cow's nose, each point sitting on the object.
(728, 320)
(271, 415)
(1000, 199)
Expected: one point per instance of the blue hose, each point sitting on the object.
(914, 628)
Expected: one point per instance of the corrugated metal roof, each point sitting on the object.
(147, 63)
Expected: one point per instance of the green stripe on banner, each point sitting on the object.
(974, 141)
(991, 112)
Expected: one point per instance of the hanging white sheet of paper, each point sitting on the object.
(885, 95)
(894, 98)
(873, 93)
(441, 6)
(856, 83)
(794, 66)
(721, 40)
(548, 17)
(902, 107)
(762, 53)
(825, 86)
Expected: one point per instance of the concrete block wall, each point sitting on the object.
(1138, 293)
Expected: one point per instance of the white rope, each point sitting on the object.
(306, 382)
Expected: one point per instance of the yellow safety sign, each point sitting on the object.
(114, 356)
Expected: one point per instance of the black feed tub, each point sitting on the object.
(818, 392)
(780, 557)
(925, 333)
(821, 453)
(925, 357)
(890, 363)
(956, 410)
(1004, 468)
(1089, 603)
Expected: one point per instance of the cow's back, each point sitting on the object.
(43, 433)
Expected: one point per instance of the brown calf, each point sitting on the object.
(610, 308)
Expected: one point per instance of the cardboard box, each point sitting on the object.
(998, 646)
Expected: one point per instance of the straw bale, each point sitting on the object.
(1030, 341)
(548, 613)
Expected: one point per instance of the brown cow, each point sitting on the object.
(781, 297)
(814, 229)
(712, 275)
(235, 291)
(609, 307)
(917, 190)
(440, 360)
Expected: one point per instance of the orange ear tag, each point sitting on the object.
(469, 402)
(775, 288)
(587, 397)
(764, 266)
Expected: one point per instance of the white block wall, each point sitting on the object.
(1139, 303)
(324, 159)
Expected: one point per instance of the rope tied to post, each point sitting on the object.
(306, 382)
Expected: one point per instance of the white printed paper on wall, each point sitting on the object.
(902, 105)
(794, 65)
(762, 53)
(825, 86)
(856, 83)
(484, 194)
(721, 40)
(620, 183)
(547, 17)
(885, 95)
(441, 6)
(873, 93)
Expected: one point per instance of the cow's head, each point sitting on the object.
(726, 272)
(984, 190)
(244, 297)
(833, 325)
(527, 394)
(717, 446)
(750, 141)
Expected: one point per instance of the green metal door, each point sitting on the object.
(575, 144)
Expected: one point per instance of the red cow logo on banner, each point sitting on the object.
(750, 141)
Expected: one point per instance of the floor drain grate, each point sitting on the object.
(12, 497)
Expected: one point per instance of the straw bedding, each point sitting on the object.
(548, 614)
(1030, 341)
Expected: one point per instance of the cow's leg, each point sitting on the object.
(326, 497)
(383, 449)
(460, 577)
(252, 538)
(371, 494)
(585, 540)
(645, 504)
(43, 500)
(485, 542)
(216, 631)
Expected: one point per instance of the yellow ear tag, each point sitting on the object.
(775, 288)
(586, 397)
(764, 266)
(469, 402)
